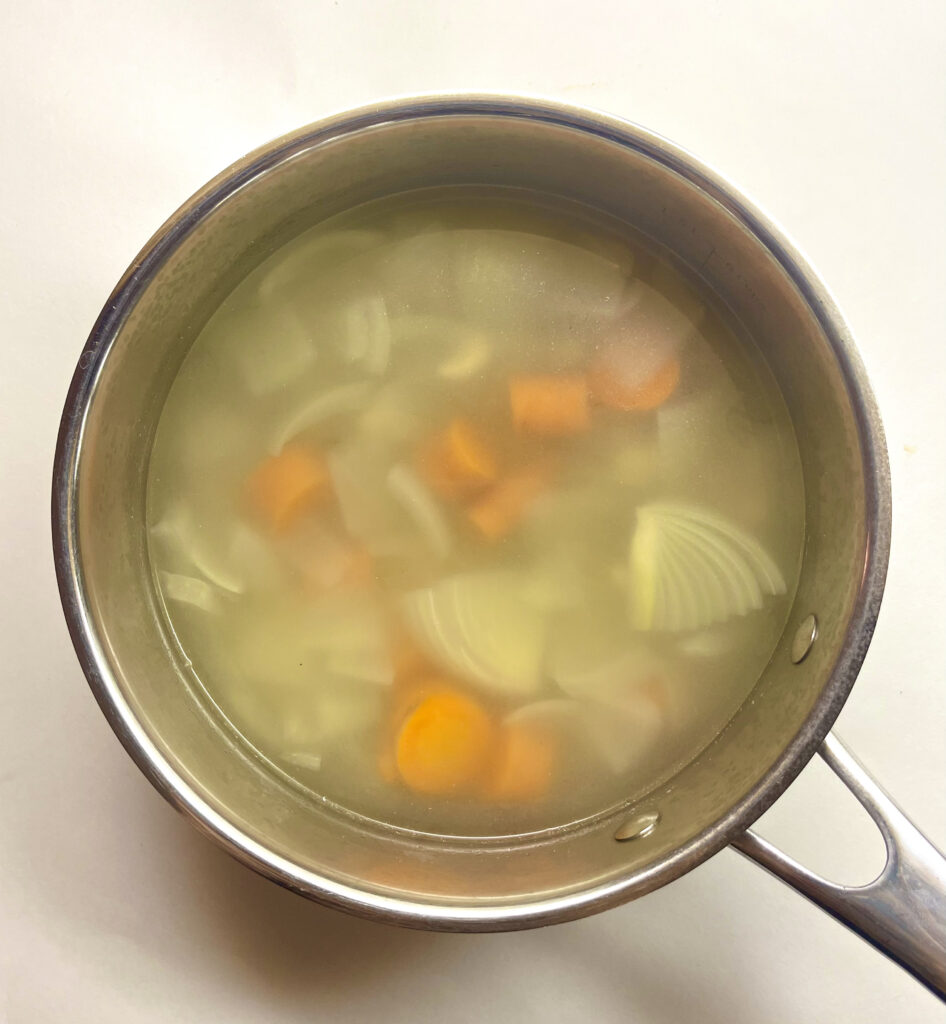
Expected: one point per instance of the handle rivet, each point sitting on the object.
(805, 637)
(637, 827)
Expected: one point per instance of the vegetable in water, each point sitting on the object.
(503, 506)
(613, 389)
(343, 400)
(550, 405)
(422, 508)
(470, 357)
(480, 627)
(389, 502)
(523, 764)
(458, 461)
(190, 590)
(690, 568)
(286, 486)
(446, 744)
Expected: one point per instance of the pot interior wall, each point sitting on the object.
(310, 179)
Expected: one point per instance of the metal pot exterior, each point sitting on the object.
(136, 673)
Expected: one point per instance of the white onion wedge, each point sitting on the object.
(690, 567)
(190, 590)
(479, 626)
(344, 400)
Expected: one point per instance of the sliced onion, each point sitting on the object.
(708, 643)
(271, 348)
(368, 508)
(480, 627)
(621, 736)
(366, 337)
(422, 507)
(508, 278)
(191, 591)
(304, 759)
(689, 568)
(308, 255)
(233, 558)
(624, 736)
(471, 356)
(349, 638)
(344, 400)
(329, 713)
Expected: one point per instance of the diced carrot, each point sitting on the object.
(504, 505)
(550, 405)
(608, 389)
(458, 461)
(285, 486)
(445, 745)
(524, 764)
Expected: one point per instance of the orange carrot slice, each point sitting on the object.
(412, 683)
(524, 765)
(285, 486)
(608, 389)
(445, 744)
(504, 505)
(458, 461)
(550, 405)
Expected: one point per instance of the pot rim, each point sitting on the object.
(458, 916)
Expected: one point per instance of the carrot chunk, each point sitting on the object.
(504, 505)
(524, 765)
(607, 388)
(458, 462)
(286, 486)
(550, 405)
(445, 744)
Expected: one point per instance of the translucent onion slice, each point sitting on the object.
(331, 712)
(366, 339)
(480, 627)
(624, 736)
(690, 568)
(471, 355)
(422, 507)
(190, 590)
(344, 400)
(369, 510)
(610, 680)
(308, 256)
(349, 638)
(233, 558)
(515, 277)
(271, 348)
(621, 736)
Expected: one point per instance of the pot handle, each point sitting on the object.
(903, 911)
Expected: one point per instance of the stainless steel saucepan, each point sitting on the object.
(203, 768)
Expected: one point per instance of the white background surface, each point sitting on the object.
(830, 115)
